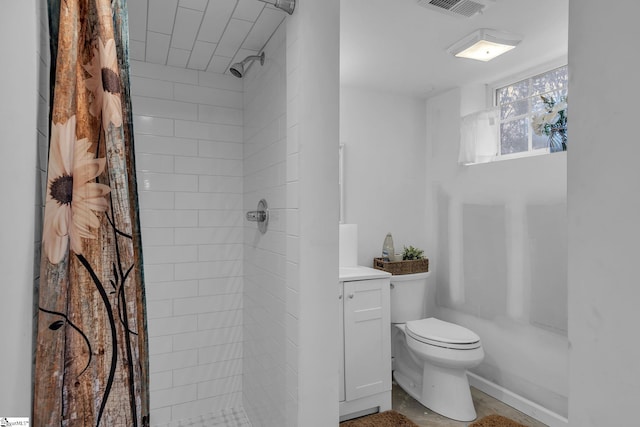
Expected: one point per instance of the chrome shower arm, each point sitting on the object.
(286, 5)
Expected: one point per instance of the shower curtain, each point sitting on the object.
(91, 357)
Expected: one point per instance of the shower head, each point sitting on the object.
(286, 5)
(238, 69)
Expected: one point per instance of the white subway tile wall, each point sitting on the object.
(188, 129)
(265, 288)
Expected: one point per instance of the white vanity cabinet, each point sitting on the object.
(365, 342)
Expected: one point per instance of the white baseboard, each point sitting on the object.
(518, 402)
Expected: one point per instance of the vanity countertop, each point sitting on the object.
(361, 273)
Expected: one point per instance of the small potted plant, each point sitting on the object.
(410, 253)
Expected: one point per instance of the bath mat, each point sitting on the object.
(495, 421)
(382, 419)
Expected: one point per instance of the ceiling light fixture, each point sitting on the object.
(484, 44)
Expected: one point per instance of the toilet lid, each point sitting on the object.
(442, 334)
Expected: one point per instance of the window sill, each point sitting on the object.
(523, 155)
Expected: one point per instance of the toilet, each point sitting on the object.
(431, 356)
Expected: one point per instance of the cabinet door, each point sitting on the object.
(367, 341)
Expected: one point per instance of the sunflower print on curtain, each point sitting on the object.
(91, 350)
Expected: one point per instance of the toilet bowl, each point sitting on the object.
(431, 356)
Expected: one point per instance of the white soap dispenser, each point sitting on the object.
(388, 252)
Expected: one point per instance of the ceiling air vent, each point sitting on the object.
(460, 8)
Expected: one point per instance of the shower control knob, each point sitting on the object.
(260, 215)
(256, 216)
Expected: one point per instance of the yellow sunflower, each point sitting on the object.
(104, 83)
(72, 194)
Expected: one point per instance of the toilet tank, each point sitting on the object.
(408, 293)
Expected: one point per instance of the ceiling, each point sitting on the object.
(207, 35)
(390, 45)
(402, 47)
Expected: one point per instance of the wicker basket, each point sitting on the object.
(402, 267)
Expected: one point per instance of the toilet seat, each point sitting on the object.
(443, 334)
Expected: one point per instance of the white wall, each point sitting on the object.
(500, 263)
(604, 208)
(384, 169)
(21, 178)
(313, 49)
(265, 285)
(188, 139)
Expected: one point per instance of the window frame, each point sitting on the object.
(492, 102)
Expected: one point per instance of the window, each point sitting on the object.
(518, 102)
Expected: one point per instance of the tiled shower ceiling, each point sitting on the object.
(207, 35)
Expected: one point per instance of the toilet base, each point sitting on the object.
(446, 391)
